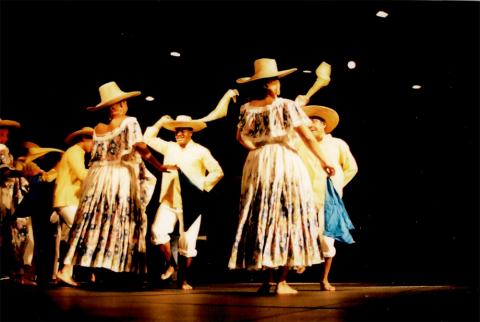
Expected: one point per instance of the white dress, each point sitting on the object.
(278, 224)
(110, 224)
(19, 241)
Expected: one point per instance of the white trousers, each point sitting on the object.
(64, 223)
(328, 247)
(163, 225)
(68, 216)
(326, 243)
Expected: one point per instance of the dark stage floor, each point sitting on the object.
(239, 302)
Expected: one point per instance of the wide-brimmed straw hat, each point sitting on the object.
(329, 115)
(9, 123)
(83, 131)
(266, 68)
(37, 152)
(185, 121)
(110, 94)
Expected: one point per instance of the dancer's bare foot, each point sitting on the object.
(284, 288)
(66, 278)
(186, 286)
(326, 286)
(168, 273)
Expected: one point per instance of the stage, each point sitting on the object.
(240, 302)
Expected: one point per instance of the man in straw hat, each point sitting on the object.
(179, 196)
(71, 173)
(110, 232)
(337, 151)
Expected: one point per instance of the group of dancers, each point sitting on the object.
(100, 204)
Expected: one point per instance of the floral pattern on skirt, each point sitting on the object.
(110, 224)
(278, 224)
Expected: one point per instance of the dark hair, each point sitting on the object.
(255, 90)
(183, 128)
(318, 118)
(79, 138)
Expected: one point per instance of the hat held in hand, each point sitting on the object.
(37, 152)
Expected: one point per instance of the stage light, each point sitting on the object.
(382, 14)
(175, 54)
(351, 64)
(150, 98)
(416, 86)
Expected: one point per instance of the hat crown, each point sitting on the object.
(265, 66)
(109, 91)
(182, 121)
(110, 94)
(183, 118)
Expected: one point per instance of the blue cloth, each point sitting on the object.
(337, 221)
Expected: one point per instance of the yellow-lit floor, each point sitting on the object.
(240, 302)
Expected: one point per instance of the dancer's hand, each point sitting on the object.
(329, 170)
(162, 120)
(302, 100)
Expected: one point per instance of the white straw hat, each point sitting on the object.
(185, 121)
(265, 68)
(83, 131)
(329, 115)
(110, 94)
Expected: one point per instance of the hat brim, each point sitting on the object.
(326, 113)
(9, 123)
(195, 125)
(29, 144)
(278, 74)
(114, 100)
(35, 153)
(73, 135)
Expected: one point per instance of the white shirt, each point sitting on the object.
(338, 155)
(196, 162)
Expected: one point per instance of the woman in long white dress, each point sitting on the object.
(110, 224)
(278, 225)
